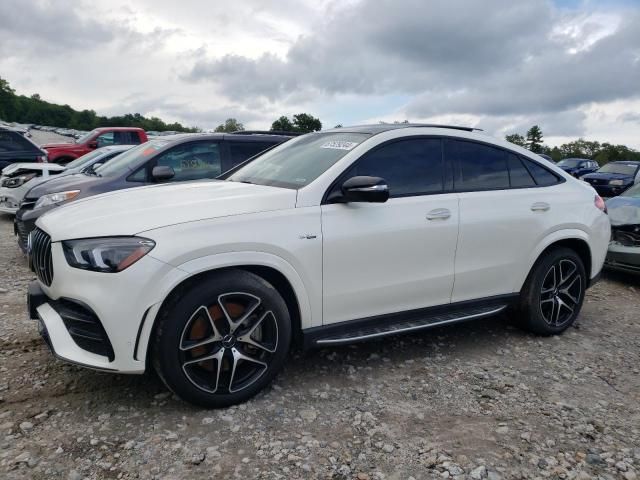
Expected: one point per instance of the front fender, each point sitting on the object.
(223, 260)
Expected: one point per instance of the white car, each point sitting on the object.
(19, 178)
(333, 237)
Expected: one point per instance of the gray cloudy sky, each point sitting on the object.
(571, 66)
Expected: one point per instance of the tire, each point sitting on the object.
(223, 340)
(553, 293)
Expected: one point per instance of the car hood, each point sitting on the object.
(78, 181)
(132, 211)
(624, 210)
(608, 176)
(14, 167)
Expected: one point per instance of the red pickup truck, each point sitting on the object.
(100, 137)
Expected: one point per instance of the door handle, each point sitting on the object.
(540, 207)
(439, 214)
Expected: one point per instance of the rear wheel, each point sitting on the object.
(223, 340)
(553, 293)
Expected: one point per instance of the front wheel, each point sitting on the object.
(222, 341)
(553, 293)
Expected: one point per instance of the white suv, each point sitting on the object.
(333, 237)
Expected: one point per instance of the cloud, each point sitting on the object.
(47, 26)
(497, 64)
(496, 59)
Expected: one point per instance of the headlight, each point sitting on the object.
(616, 182)
(106, 254)
(582, 178)
(15, 182)
(54, 198)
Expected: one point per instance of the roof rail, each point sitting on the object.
(266, 132)
(437, 125)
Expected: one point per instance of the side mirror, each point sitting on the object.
(365, 189)
(162, 173)
(93, 144)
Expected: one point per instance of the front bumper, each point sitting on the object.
(620, 257)
(9, 203)
(55, 329)
(121, 305)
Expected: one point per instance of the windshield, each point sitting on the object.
(85, 159)
(569, 162)
(129, 159)
(622, 168)
(300, 161)
(86, 137)
(633, 192)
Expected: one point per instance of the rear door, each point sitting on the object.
(505, 205)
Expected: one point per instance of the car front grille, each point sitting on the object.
(23, 234)
(629, 237)
(597, 181)
(40, 255)
(84, 326)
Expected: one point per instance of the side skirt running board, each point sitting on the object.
(400, 323)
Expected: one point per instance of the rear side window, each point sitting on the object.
(410, 167)
(134, 138)
(478, 166)
(14, 142)
(541, 175)
(240, 151)
(519, 176)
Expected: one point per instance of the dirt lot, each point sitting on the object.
(472, 401)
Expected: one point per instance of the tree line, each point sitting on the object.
(600, 152)
(299, 123)
(33, 109)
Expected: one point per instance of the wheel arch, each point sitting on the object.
(576, 240)
(283, 278)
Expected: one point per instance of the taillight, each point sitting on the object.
(599, 203)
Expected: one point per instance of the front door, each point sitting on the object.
(381, 258)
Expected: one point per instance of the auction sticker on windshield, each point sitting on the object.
(339, 145)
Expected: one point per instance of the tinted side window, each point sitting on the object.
(519, 176)
(479, 167)
(13, 142)
(541, 175)
(192, 161)
(240, 151)
(410, 167)
(134, 138)
(105, 139)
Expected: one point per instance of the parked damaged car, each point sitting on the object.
(19, 178)
(624, 249)
(614, 178)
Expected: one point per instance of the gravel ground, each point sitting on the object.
(479, 400)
